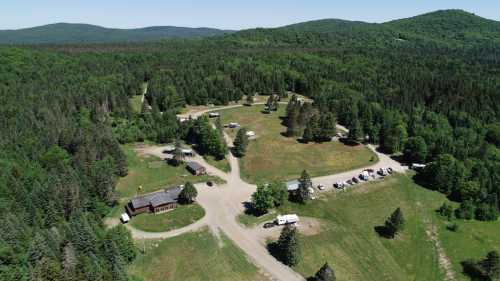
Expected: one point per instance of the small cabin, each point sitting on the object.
(156, 202)
(196, 169)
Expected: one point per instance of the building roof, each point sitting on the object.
(194, 166)
(292, 185)
(155, 199)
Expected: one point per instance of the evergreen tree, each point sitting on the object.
(188, 193)
(288, 246)
(355, 132)
(415, 150)
(178, 155)
(303, 195)
(292, 121)
(325, 273)
(395, 223)
(327, 126)
(240, 143)
(249, 99)
(219, 126)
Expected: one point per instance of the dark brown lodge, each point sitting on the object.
(156, 202)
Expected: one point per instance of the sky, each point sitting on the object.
(224, 14)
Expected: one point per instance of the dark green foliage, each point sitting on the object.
(240, 143)
(465, 211)
(188, 194)
(446, 211)
(487, 269)
(288, 246)
(452, 227)
(207, 139)
(262, 200)
(269, 196)
(302, 194)
(355, 132)
(325, 273)
(394, 224)
(415, 150)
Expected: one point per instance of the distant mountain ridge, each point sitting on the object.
(71, 33)
(450, 27)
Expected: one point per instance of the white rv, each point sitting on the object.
(287, 219)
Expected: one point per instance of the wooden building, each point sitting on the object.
(156, 202)
(196, 168)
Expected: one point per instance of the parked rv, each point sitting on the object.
(287, 219)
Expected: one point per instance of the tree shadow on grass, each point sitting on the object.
(348, 142)
(471, 269)
(274, 251)
(382, 231)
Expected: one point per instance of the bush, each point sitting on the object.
(452, 227)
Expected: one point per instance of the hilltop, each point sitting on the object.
(70, 33)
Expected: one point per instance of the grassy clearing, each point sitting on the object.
(275, 157)
(222, 165)
(195, 256)
(136, 102)
(251, 220)
(349, 243)
(474, 239)
(348, 240)
(152, 174)
(177, 218)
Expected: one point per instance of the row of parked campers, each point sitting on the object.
(364, 176)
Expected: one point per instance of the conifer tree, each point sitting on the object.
(188, 193)
(293, 126)
(305, 183)
(355, 131)
(240, 143)
(288, 246)
(325, 273)
(327, 127)
(395, 223)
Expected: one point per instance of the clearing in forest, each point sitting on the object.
(272, 156)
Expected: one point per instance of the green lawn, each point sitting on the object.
(152, 174)
(251, 220)
(177, 218)
(275, 157)
(349, 243)
(194, 256)
(136, 102)
(222, 165)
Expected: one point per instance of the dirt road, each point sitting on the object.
(224, 203)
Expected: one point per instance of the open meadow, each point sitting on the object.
(271, 156)
(192, 257)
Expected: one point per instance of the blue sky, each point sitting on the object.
(222, 13)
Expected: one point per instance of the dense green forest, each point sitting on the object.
(426, 88)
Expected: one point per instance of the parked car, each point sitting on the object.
(269, 224)
(321, 187)
(209, 183)
(389, 170)
(355, 180)
(350, 182)
(338, 185)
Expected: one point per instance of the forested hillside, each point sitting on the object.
(66, 33)
(65, 109)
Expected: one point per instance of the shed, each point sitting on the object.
(213, 114)
(169, 149)
(196, 168)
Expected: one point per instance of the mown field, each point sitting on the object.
(274, 157)
(197, 256)
(349, 242)
(177, 218)
(152, 174)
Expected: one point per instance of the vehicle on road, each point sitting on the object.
(389, 170)
(321, 187)
(287, 219)
(339, 185)
(355, 180)
(364, 175)
(210, 183)
(350, 182)
(269, 224)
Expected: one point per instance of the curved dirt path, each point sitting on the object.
(224, 203)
